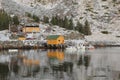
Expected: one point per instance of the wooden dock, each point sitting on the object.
(28, 44)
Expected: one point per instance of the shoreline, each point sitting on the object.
(105, 43)
(20, 45)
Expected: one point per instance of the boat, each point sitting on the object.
(71, 49)
(80, 47)
(13, 50)
(75, 48)
(90, 47)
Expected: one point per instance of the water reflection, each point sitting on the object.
(53, 64)
(57, 63)
(84, 60)
(3, 71)
(27, 67)
(55, 55)
(99, 64)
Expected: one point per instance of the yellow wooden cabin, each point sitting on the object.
(55, 39)
(21, 37)
(56, 54)
(30, 29)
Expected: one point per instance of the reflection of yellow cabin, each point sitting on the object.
(56, 54)
(31, 62)
(30, 29)
(27, 61)
(55, 39)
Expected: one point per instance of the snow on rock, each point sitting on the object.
(96, 37)
(4, 36)
(102, 15)
(24, 1)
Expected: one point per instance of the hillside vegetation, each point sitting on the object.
(6, 20)
(102, 15)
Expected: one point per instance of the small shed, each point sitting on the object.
(30, 29)
(21, 38)
(55, 39)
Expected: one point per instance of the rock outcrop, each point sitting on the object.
(103, 15)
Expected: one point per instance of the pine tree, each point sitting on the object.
(46, 19)
(52, 20)
(36, 19)
(71, 26)
(56, 20)
(15, 20)
(66, 23)
(80, 27)
(87, 30)
(61, 22)
(4, 20)
(28, 14)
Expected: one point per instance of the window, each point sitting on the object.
(59, 40)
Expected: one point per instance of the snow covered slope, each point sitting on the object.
(103, 15)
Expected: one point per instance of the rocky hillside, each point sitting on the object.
(103, 15)
(0, 4)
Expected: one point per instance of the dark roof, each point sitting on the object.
(21, 35)
(31, 26)
(51, 37)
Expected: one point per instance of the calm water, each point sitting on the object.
(98, 64)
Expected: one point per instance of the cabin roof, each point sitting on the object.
(31, 26)
(52, 37)
(21, 36)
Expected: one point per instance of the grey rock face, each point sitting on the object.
(102, 15)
